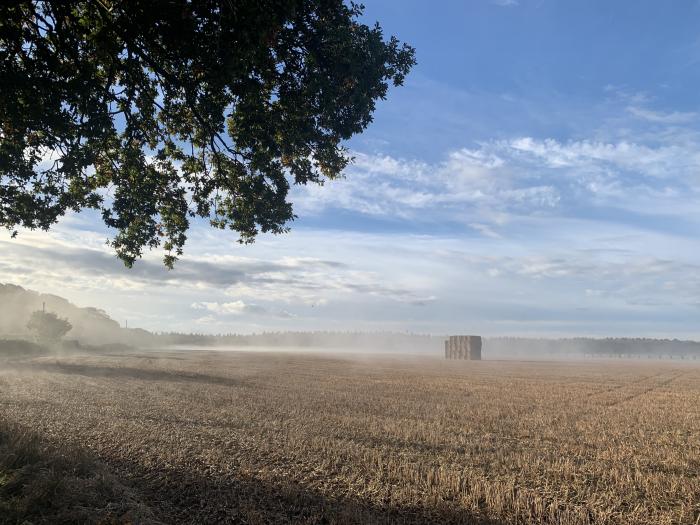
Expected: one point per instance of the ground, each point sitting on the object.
(246, 437)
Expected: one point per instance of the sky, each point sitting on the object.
(537, 174)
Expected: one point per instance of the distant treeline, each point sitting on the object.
(584, 346)
(494, 347)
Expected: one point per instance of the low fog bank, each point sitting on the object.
(418, 344)
(93, 330)
(369, 350)
(352, 342)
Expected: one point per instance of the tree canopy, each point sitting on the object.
(47, 326)
(155, 112)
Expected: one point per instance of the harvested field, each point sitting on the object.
(248, 437)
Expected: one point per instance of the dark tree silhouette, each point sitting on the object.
(159, 111)
(48, 327)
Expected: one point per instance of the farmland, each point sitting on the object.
(265, 437)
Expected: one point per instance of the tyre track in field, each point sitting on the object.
(635, 389)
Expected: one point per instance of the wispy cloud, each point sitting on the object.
(545, 274)
(673, 117)
(499, 180)
(222, 284)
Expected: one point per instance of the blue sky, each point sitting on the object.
(495, 70)
(539, 173)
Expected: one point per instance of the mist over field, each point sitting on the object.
(93, 328)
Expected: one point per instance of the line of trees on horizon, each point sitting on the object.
(493, 346)
(604, 347)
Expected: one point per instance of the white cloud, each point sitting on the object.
(232, 308)
(235, 308)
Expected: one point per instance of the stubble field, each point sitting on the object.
(242, 437)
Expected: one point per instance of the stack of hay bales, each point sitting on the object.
(463, 347)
